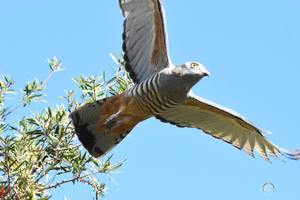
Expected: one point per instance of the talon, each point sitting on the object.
(111, 122)
(114, 125)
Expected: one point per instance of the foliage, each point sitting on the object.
(36, 151)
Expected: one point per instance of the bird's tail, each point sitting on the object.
(84, 120)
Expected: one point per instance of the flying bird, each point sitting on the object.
(163, 91)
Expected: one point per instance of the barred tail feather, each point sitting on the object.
(84, 120)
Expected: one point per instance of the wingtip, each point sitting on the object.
(291, 154)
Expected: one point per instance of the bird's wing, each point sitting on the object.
(145, 39)
(223, 123)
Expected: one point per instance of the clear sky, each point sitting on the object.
(252, 51)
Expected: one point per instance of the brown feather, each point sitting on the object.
(159, 50)
(129, 110)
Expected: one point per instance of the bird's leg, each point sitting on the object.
(112, 123)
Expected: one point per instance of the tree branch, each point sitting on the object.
(76, 178)
(54, 68)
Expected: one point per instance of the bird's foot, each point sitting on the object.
(112, 123)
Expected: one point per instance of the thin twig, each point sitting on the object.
(61, 168)
(34, 137)
(54, 68)
(6, 88)
(64, 133)
(91, 184)
(68, 148)
(17, 194)
(78, 177)
(41, 176)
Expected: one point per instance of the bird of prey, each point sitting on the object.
(163, 91)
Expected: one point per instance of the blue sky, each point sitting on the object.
(250, 48)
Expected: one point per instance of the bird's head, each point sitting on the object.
(188, 74)
(180, 79)
(191, 69)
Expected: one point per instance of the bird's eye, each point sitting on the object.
(193, 65)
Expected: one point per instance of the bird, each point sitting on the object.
(162, 90)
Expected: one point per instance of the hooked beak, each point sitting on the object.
(206, 73)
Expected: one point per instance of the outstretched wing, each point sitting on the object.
(223, 123)
(145, 38)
